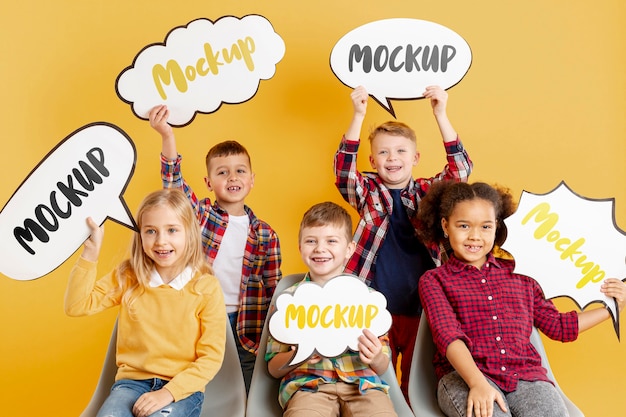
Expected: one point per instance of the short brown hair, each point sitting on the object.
(226, 148)
(393, 128)
(327, 213)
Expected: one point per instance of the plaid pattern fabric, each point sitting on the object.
(346, 367)
(492, 310)
(261, 259)
(369, 196)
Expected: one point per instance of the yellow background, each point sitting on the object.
(542, 102)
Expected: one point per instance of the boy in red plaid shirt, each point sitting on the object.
(388, 255)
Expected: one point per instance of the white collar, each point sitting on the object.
(177, 283)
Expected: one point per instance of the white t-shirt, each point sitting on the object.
(228, 263)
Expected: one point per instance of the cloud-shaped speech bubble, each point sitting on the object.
(328, 319)
(44, 221)
(569, 244)
(202, 65)
(399, 58)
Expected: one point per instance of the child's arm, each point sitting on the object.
(481, 394)
(158, 121)
(151, 402)
(371, 352)
(359, 98)
(439, 100)
(611, 287)
(91, 247)
(277, 365)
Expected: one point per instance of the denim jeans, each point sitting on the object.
(538, 398)
(125, 392)
(246, 359)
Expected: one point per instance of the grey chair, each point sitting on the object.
(423, 382)
(263, 394)
(224, 396)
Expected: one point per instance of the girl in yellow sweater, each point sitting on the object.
(172, 319)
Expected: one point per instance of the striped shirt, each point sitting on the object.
(346, 367)
(261, 259)
(492, 310)
(372, 199)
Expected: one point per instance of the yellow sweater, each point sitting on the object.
(176, 335)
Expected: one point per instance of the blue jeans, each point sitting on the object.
(125, 392)
(246, 359)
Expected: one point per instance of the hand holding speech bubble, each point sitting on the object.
(569, 244)
(399, 58)
(329, 319)
(202, 65)
(44, 221)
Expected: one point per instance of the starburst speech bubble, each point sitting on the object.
(569, 244)
(329, 319)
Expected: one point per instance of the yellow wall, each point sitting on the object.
(542, 102)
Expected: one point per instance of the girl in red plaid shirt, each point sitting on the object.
(482, 313)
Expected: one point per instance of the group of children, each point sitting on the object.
(427, 244)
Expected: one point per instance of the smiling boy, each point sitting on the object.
(348, 384)
(388, 254)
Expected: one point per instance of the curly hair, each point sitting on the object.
(443, 196)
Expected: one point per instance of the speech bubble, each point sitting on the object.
(569, 244)
(398, 58)
(329, 319)
(202, 65)
(43, 223)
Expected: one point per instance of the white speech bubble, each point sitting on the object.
(329, 319)
(83, 176)
(202, 65)
(399, 58)
(569, 244)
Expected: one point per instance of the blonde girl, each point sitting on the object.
(172, 319)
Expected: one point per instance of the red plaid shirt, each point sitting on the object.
(372, 199)
(261, 259)
(492, 310)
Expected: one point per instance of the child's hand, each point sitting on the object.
(438, 98)
(158, 120)
(150, 402)
(481, 398)
(615, 288)
(91, 247)
(369, 347)
(359, 98)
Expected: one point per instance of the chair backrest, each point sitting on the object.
(423, 382)
(224, 396)
(263, 394)
(535, 339)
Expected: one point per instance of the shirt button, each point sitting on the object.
(503, 351)
(503, 368)
(495, 317)
(483, 280)
(498, 338)
(490, 298)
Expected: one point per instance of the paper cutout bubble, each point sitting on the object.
(329, 319)
(202, 65)
(398, 58)
(569, 244)
(44, 222)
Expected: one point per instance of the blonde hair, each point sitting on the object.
(134, 273)
(395, 129)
